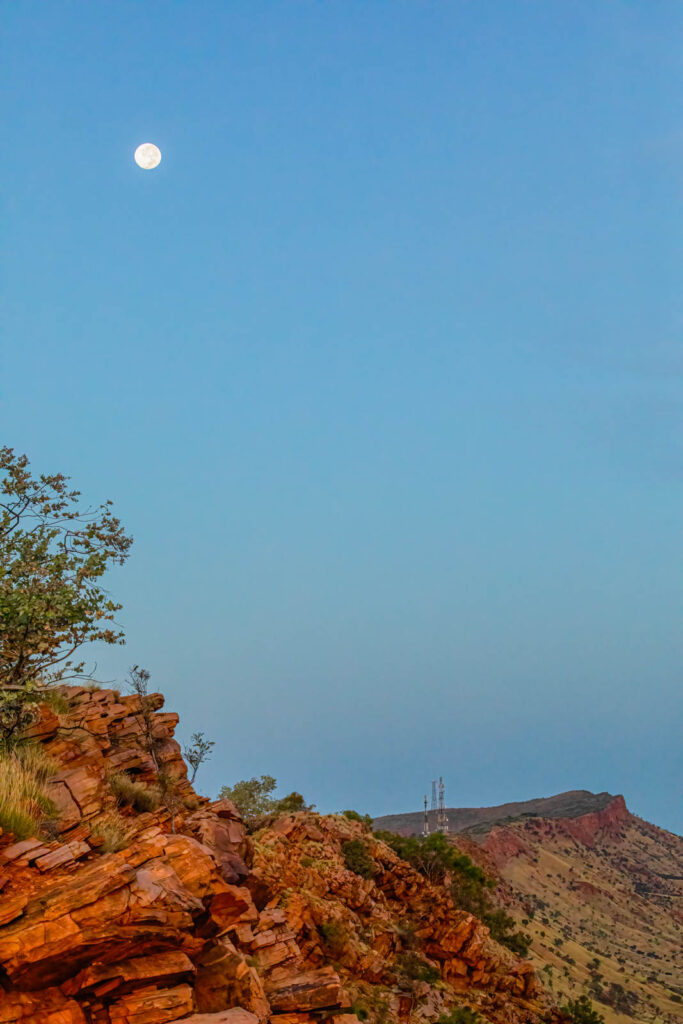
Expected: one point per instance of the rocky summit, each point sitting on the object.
(177, 913)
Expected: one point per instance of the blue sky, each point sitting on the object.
(382, 368)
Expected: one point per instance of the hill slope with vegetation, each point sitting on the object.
(596, 890)
(130, 899)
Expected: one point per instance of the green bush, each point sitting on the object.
(357, 858)
(131, 792)
(436, 858)
(335, 937)
(501, 927)
(364, 819)
(460, 1015)
(291, 803)
(412, 967)
(580, 1011)
(53, 552)
(253, 798)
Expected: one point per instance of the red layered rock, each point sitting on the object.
(301, 864)
(190, 920)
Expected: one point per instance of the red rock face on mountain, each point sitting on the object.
(182, 916)
(600, 894)
(502, 843)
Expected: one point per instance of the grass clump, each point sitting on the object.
(131, 792)
(111, 828)
(57, 701)
(24, 803)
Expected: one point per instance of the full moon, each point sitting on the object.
(148, 156)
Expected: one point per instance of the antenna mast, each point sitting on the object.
(425, 830)
(441, 818)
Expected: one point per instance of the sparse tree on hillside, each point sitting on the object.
(292, 803)
(253, 798)
(364, 819)
(138, 683)
(197, 753)
(580, 1011)
(53, 554)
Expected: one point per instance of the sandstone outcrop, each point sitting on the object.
(176, 913)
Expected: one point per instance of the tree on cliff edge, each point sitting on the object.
(53, 554)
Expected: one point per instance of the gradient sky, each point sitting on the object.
(382, 368)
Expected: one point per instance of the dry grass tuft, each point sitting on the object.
(24, 803)
(112, 829)
(131, 792)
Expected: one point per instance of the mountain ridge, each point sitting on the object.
(571, 803)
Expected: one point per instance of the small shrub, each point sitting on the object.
(251, 797)
(460, 1015)
(335, 937)
(197, 753)
(501, 926)
(412, 967)
(359, 1011)
(357, 858)
(112, 829)
(364, 819)
(580, 1011)
(131, 792)
(517, 942)
(306, 862)
(292, 803)
(407, 934)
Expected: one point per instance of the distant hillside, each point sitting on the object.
(599, 891)
(481, 819)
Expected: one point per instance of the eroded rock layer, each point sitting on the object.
(179, 915)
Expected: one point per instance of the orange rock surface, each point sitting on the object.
(192, 919)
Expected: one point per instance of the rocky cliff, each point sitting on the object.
(125, 916)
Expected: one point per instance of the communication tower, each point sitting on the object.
(441, 817)
(425, 830)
